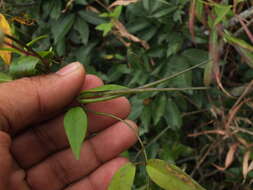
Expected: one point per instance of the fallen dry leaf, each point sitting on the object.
(250, 168)
(122, 2)
(5, 27)
(229, 158)
(230, 155)
(122, 31)
(245, 165)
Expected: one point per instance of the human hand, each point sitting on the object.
(37, 157)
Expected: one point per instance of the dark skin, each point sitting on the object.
(34, 152)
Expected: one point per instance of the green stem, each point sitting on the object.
(143, 90)
(119, 119)
(154, 140)
(18, 49)
(109, 95)
(173, 76)
(94, 100)
(30, 50)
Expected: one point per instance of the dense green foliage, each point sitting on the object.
(149, 40)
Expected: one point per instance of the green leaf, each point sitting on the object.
(105, 28)
(146, 116)
(175, 43)
(195, 56)
(56, 10)
(170, 177)
(91, 17)
(83, 29)
(24, 66)
(175, 65)
(237, 41)
(76, 124)
(62, 26)
(5, 78)
(246, 54)
(116, 12)
(173, 114)
(81, 2)
(160, 104)
(164, 12)
(221, 11)
(36, 40)
(199, 9)
(124, 178)
(92, 92)
(146, 4)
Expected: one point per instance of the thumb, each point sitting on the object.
(31, 100)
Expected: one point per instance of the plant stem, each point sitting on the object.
(119, 119)
(18, 49)
(109, 95)
(154, 140)
(143, 90)
(31, 51)
(173, 76)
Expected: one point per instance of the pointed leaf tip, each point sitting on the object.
(75, 125)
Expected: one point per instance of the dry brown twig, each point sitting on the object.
(246, 167)
(238, 104)
(245, 28)
(218, 132)
(245, 14)
(229, 158)
(122, 2)
(1, 3)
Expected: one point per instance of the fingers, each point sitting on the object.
(50, 137)
(5, 160)
(104, 174)
(30, 100)
(62, 169)
(119, 107)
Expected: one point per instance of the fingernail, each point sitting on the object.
(69, 69)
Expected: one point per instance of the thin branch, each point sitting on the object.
(153, 140)
(19, 49)
(127, 124)
(241, 30)
(247, 31)
(32, 52)
(109, 95)
(173, 76)
(244, 15)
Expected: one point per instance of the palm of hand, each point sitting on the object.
(41, 158)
